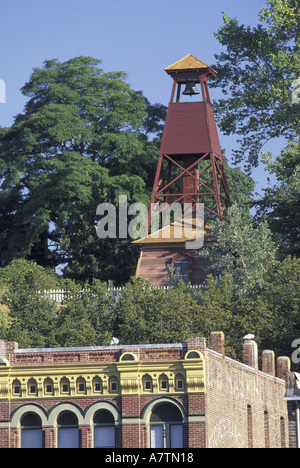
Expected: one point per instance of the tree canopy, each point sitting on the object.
(256, 74)
(91, 315)
(84, 138)
(259, 74)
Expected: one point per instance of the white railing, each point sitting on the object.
(59, 295)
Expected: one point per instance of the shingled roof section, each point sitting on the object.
(188, 63)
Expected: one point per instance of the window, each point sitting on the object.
(128, 357)
(16, 388)
(250, 426)
(282, 431)
(48, 387)
(163, 383)
(65, 386)
(147, 383)
(31, 431)
(97, 385)
(32, 387)
(68, 432)
(113, 385)
(193, 355)
(166, 428)
(179, 383)
(183, 270)
(81, 385)
(267, 429)
(104, 430)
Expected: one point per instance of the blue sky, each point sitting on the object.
(140, 37)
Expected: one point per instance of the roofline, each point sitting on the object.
(98, 348)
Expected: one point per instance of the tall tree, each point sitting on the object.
(281, 203)
(257, 73)
(243, 248)
(85, 137)
(31, 316)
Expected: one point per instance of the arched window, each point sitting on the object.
(97, 385)
(48, 387)
(32, 387)
(104, 430)
(81, 385)
(267, 429)
(147, 383)
(166, 427)
(193, 355)
(16, 388)
(250, 426)
(68, 432)
(113, 385)
(65, 386)
(179, 383)
(128, 357)
(282, 431)
(31, 431)
(163, 383)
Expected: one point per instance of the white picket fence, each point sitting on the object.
(59, 295)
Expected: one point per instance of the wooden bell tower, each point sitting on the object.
(190, 168)
(190, 148)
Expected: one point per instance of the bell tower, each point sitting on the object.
(190, 151)
(189, 171)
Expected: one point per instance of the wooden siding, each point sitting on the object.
(190, 129)
(153, 263)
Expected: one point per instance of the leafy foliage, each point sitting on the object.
(32, 316)
(142, 314)
(243, 249)
(281, 203)
(147, 315)
(256, 74)
(84, 138)
(86, 316)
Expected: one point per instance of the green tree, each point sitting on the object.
(256, 74)
(86, 316)
(281, 293)
(148, 315)
(32, 317)
(281, 203)
(224, 308)
(245, 250)
(85, 137)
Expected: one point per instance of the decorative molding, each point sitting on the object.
(94, 380)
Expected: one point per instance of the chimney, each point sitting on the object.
(7, 348)
(283, 367)
(268, 362)
(250, 352)
(217, 342)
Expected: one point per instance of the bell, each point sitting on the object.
(190, 89)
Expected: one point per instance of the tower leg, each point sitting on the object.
(217, 186)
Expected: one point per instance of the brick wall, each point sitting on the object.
(239, 406)
(245, 407)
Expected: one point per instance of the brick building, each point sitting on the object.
(292, 398)
(160, 396)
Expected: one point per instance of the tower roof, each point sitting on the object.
(179, 232)
(190, 62)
